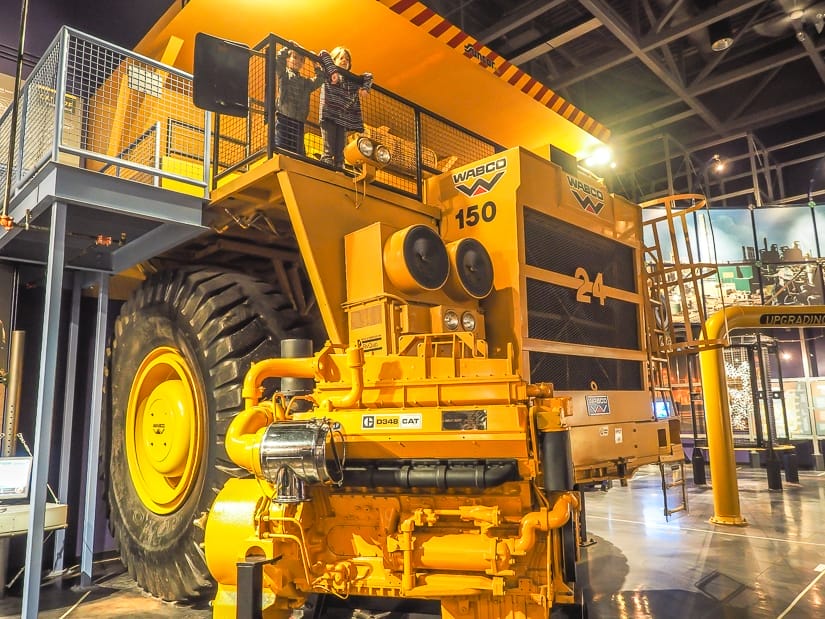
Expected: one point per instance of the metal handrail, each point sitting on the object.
(80, 70)
(259, 144)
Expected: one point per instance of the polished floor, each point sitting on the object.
(643, 566)
(640, 565)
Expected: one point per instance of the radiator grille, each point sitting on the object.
(558, 246)
(568, 372)
(555, 315)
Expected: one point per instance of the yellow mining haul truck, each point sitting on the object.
(386, 382)
(426, 456)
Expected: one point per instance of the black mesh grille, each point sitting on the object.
(554, 314)
(568, 372)
(557, 246)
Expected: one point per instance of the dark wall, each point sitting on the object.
(30, 313)
(122, 23)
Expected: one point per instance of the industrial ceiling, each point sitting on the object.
(646, 69)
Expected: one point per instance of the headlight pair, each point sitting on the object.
(363, 150)
(452, 321)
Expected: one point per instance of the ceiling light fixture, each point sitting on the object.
(721, 35)
(716, 164)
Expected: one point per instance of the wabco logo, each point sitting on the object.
(590, 198)
(472, 183)
(474, 53)
(597, 404)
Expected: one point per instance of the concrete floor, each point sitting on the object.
(639, 566)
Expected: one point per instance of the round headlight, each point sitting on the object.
(365, 146)
(451, 320)
(382, 155)
(468, 321)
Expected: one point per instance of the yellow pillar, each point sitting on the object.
(725, 486)
(726, 508)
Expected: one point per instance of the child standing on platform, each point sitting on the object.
(292, 100)
(340, 103)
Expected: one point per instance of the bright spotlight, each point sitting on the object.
(601, 157)
(717, 164)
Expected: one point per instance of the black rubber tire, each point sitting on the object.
(220, 321)
(570, 544)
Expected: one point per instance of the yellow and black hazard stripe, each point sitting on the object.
(454, 37)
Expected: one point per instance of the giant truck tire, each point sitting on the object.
(181, 347)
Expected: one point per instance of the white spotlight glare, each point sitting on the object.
(717, 164)
(601, 157)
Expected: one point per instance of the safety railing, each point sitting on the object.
(675, 282)
(685, 291)
(420, 143)
(122, 114)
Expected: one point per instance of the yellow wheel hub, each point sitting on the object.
(165, 430)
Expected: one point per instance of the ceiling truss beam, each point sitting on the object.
(726, 8)
(616, 25)
(720, 81)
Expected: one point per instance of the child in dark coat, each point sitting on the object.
(292, 100)
(340, 103)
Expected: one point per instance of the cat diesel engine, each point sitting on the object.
(429, 455)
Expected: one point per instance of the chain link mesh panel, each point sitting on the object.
(34, 137)
(5, 137)
(391, 122)
(121, 115)
(138, 113)
(450, 146)
(37, 122)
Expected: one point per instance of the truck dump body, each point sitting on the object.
(411, 51)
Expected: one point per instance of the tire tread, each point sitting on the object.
(232, 320)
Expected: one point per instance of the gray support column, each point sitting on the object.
(757, 192)
(45, 411)
(93, 451)
(666, 145)
(68, 415)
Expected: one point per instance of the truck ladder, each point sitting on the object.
(673, 476)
